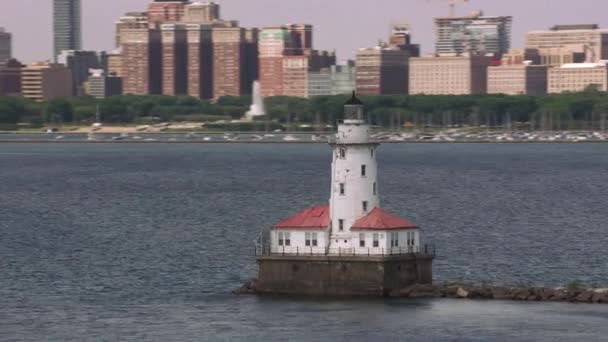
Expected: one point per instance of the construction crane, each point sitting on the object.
(453, 5)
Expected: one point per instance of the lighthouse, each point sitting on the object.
(351, 246)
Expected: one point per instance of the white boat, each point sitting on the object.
(290, 138)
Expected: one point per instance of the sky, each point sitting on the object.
(341, 25)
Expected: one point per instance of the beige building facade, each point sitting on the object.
(449, 75)
(517, 79)
(578, 77)
(46, 81)
(569, 44)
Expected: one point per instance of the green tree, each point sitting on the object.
(11, 110)
(59, 110)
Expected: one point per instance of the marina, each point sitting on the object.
(294, 137)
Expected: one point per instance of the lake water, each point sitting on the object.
(136, 242)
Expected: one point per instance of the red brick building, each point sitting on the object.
(174, 59)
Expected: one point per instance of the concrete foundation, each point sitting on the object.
(341, 275)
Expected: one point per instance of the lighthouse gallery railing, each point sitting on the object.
(266, 250)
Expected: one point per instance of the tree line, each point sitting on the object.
(568, 111)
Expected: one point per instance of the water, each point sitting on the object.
(144, 242)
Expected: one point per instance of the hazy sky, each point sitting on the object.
(344, 25)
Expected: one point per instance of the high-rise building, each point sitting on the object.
(577, 77)
(517, 79)
(79, 62)
(382, 70)
(275, 43)
(476, 33)
(66, 26)
(101, 86)
(142, 61)
(284, 52)
(343, 78)
(401, 38)
(179, 48)
(301, 37)
(319, 82)
(202, 12)
(295, 76)
(166, 11)
(200, 61)
(5, 46)
(564, 44)
(175, 59)
(113, 65)
(234, 60)
(449, 75)
(45, 81)
(335, 80)
(10, 78)
(131, 20)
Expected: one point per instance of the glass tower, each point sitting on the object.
(66, 26)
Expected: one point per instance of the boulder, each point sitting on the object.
(521, 294)
(501, 293)
(597, 297)
(481, 293)
(584, 297)
(462, 293)
(450, 291)
(417, 291)
(248, 288)
(424, 291)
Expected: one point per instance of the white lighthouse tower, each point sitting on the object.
(353, 223)
(354, 183)
(321, 250)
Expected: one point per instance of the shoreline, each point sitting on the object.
(481, 292)
(39, 141)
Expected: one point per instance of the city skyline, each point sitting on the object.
(98, 29)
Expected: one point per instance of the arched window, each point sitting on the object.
(342, 152)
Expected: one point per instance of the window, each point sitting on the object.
(411, 238)
(281, 239)
(376, 240)
(375, 188)
(364, 205)
(342, 152)
(342, 189)
(287, 239)
(307, 237)
(372, 153)
(394, 239)
(341, 225)
(315, 242)
(362, 240)
(363, 171)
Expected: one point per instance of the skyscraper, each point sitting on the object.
(5, 46)
(66, 26)
(382, 70)
(79, 62)
(476, 33)
(235, 57)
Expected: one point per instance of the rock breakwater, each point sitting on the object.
(486, 292)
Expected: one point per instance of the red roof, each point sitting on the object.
(379, 219)
(312, 218)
